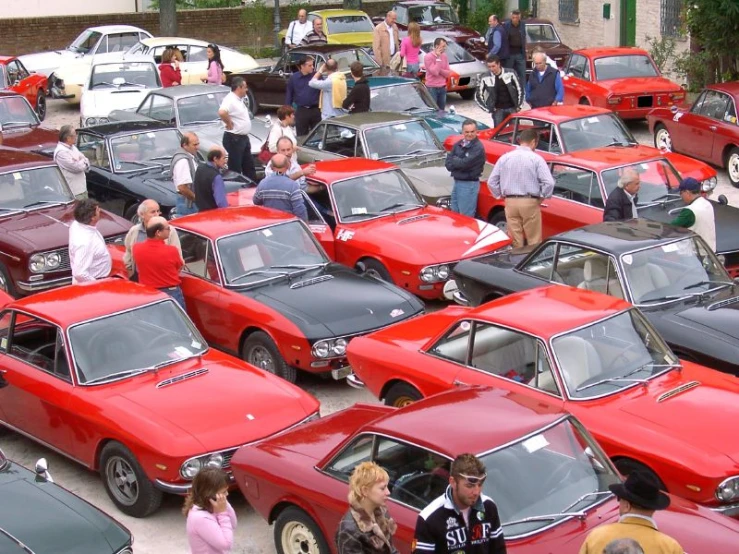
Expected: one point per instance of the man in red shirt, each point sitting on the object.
(157, 262)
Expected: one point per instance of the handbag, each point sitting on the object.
(265, 155)
(396, 62)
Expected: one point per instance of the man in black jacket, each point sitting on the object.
(210, 189)
(465, 162)
(358, 99)
(499, 93)
(513, 53)
(621, 204)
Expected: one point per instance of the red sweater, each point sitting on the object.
(169, 75)
(158, 263)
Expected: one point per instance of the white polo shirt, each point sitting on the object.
(238, 113)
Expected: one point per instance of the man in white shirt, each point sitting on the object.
(72, 162)
(298, 29)
(88, 255)
(182, 168)
(236, 117)
(298, 174)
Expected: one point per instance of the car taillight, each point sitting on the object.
(614, 99)
(677, 96)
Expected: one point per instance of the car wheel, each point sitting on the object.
(126, 483)
(662, 138)
(296, 533)
(468, 94)
(261, 351)
(253, 105)
(584, 102)
(6, 284)
(41, 105)
(401, 394)
(131, 213)
(627, 465)
(374, 269)
(732, 166)
(498, 219)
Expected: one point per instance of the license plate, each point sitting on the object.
(341, 373)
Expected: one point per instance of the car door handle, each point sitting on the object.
(712, 127)
(458, 383)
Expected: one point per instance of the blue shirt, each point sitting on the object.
(559, 90)
(219, 189)
(281, 193)
(299, 93)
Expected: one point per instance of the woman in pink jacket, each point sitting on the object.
(215, 66)
(410, 46)
(437, 72)
(210, 518)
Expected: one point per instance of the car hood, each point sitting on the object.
(47, 62)
(689, 167)
(31, 139)
(360, 39)
(211, 134)
(458, 33)
(99, 103)
(346, 303)
(640, 85)
(468, 69)
(428, 175)
(719, 315)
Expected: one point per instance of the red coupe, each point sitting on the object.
(625, 80)
(547, 475)
(14, 76)
(597, 357)
(708, 130)
(115, 376)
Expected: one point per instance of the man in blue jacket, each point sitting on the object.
(544, 87)
(465, 162)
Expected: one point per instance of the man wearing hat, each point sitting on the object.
(698, 213)
(638, 498)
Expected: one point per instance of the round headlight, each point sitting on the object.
(53, 260)
(321, 349)
(442, 272)
(728, 490)
(37, 263)
(339, 347)
(427, 274)
(91, 121)
(103, 120)
(190, 468)
(709, 184)
(215, 460)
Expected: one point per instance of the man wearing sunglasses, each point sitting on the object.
(463, 520)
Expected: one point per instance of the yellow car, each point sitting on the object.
(342, 27)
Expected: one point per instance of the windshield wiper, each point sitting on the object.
(113, 376)
(544, 517)
(298, 266)
(365, 214)
(200, 122)
(101, 83)
(269, 272)
(400, 205)
(133, 84)
(45, 202)
(702, 283)
(393, 156)
(425, 151)
(172, 361)
(584, 496)
(161, 158)
(611, 380)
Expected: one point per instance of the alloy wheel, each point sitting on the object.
(122, 480)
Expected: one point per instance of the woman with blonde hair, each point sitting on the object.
(367, 528)
(210, 518)
(409, 49)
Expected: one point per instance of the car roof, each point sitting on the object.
(166, 41)
(324, 48)
(334, 12)
(330, 171)
(184, 91)
(562, 114)
(136, 58)
(6, 59)
(123, 127)
(731, 87)
(611, 51)
(606, 157)
(9, 93)
(369, 119)
(214, 224)
(115, 28)
(14, 159)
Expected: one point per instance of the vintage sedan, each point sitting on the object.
(115, 376)
(541, 32)
(26, 494)
(708, 130)
(625, 80)
(14, 76)
(259, 285)
(341, 27)
(669, 273)
(36, 209)
(21, 127)
(466, 69)
(590, 354)
(547, 475)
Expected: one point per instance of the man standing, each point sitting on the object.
(236, 117)
(462, 520)
(638, 498)
(297, 29)
(465, 162)
(697, 215)
(499, 93)
(514, 52)
(437, 72)
(621, 204)
(303, 97)
(210, 190)
(494, 36)
(71, 161)
(521, 177)
(298, 174)
(544, 87)
(182, 168)
(316, 36)
(158, 262)
(385, 39)
(88, 254)
(147, 210)
(358, 99)
(279, 191)
(332, 84)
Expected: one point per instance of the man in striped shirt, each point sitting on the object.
(88, 254)
(316, 36)
(279, 191)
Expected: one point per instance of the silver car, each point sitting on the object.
(469, 70)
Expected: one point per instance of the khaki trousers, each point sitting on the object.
(523, 216)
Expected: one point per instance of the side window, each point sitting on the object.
(94, 149)
(714, 105)
(697, 107)
(548, 141)
(157, 53)
(730, 112)
(504, 353)
(315, 139)
(575, 184)
(506, 133)
(197, 54)
(577, 66)
(102, 46)
(586, 71)
(35, 342)
(5, 331)
(291, 62)
(600, 275)
(455, 344)
(313, 214)
(13, 73)
(122, 42)
(161, 109)
(195, 253)
(340, 140)
(358, 451)
(544, 378)
(580, 267)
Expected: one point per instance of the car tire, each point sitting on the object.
(261, 351)
(627, 465)
(584, 102)
(295, 531)
(131, 213)
(732, 166)
(41, 105)
(126, 483)
(6, 283)
(374, 269)
(468, 94)
(662, 138)
(253, 104)
(402, 394)
(498, 219)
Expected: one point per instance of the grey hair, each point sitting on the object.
(142, 207)
(626, 177)
(65, 132)
(623, 546)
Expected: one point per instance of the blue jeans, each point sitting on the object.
(517, 62)
(464, 197)
(412, 69)
(439, 94)
(176, 293)
(182, 206)
(500, 114)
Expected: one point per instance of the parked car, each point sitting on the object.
(466, 69)
(14, 76)
(91, 42)
(36, 209)
(708, 130)
(259, 285)
(546, 474)
(345, 27)
(115, 376)
(669, 273)
(541, 32)
(21, 127)
(26, 494)
(116, 86)
(594, 356)
(625, 80)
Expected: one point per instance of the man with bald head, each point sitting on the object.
(280, 192)
(332, 84)
(621, 204)
(544, 87)
(159, 263)
(146, 211)
(385, 39)
(297, 29)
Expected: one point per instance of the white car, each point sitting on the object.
(116, 85)
(469, 70)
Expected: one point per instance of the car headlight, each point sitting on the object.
(709, 184)
(91, 121)
(434, 273)
(103, 120)
(215, 460)
(53, 260)
(321, 349)
(339, 347)
(444, 202)
(190, 468)
(39, 263)
(728, 490)
(330, 348)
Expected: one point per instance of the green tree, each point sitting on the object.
(714, 24)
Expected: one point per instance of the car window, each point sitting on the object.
(16, 71)
(730, 112)
(577, 66)
(349, 24)
(578, 185)
(345, 58)
(119, 42)
(714, 104)
(38, 342)
(315, 139)
(623, 67)
(94, 149)
(157, 52)
(402, 13)
(548, 139)
(541, 262)
(356, 452)
(161, 109)
(289, 62)
(141, 49)
(506, 133)
(587, 269)
(5, 320)
(197, 54)
(340, 140)
(454, 345)
(541, 32)
(198, 255)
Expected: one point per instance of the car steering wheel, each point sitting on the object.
(421, 484)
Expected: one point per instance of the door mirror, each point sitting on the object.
(42, 470)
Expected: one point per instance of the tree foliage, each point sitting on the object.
(714, 24)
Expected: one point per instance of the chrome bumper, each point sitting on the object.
(36, 286)
(182, 489)
(731, 510)
(353, 381)
(460, 299)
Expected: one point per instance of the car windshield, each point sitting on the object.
(610, 355)
(403, 97)
(269, 253)
(400, 140)
(134, 341)
(547, 477)
(541, 32)
(595, 131)
(454, 52)
(346, 58)
(33, 188)
(15, 111)
(202, 108)
(85, 42)
(624, 67)
(659, 180)
(672, 271)
(129, 74)
(434, 14)
(374, 195)
(349, 24)
(144, 150)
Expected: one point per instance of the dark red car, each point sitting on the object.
(21, 127)
(14, 76)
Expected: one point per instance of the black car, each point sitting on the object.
(39, 516)
(668, 272)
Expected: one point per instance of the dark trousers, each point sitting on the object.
(176, 293)
(500, 114)
(239, 154)
(517, 62)
(306, 119)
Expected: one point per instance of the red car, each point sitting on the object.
(593, 355)
(708, 130)
(547, 475)
(21, 127)
(625, 80)
(14, 76)
(115, 376)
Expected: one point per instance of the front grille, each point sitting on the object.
(644, 101)
(312, 281)
(464, 81)
(677, 390)
(227, 455)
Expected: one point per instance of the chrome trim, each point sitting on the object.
(172, 488)
(183, 377)
(15, 258)
(412, 218)
(728, 510)
(722, 303)
(677, 390)
(20, 543)
(43, 285)
(461, 299)
(353, 381)
(311, 281)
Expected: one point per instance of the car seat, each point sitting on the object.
(578, 361)
(645, 277)
(594, 278)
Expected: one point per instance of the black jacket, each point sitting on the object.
(357, 535)
(618, 206)
(508, 28)
(359, 96)
(486, 94)
(466, 163)
(543, 93)
(203, 185)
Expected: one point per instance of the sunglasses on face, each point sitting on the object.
(474, 479)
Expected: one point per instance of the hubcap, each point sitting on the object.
(403, 401)
(733, 168)
(664, 142)
(122, 481)
(259, 356)
(4, 283)
(298, 539)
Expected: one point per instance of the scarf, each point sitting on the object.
(382, 529)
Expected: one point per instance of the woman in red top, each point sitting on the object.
(169, 69)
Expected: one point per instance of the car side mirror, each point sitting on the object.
(723, 200)
(42, 470)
